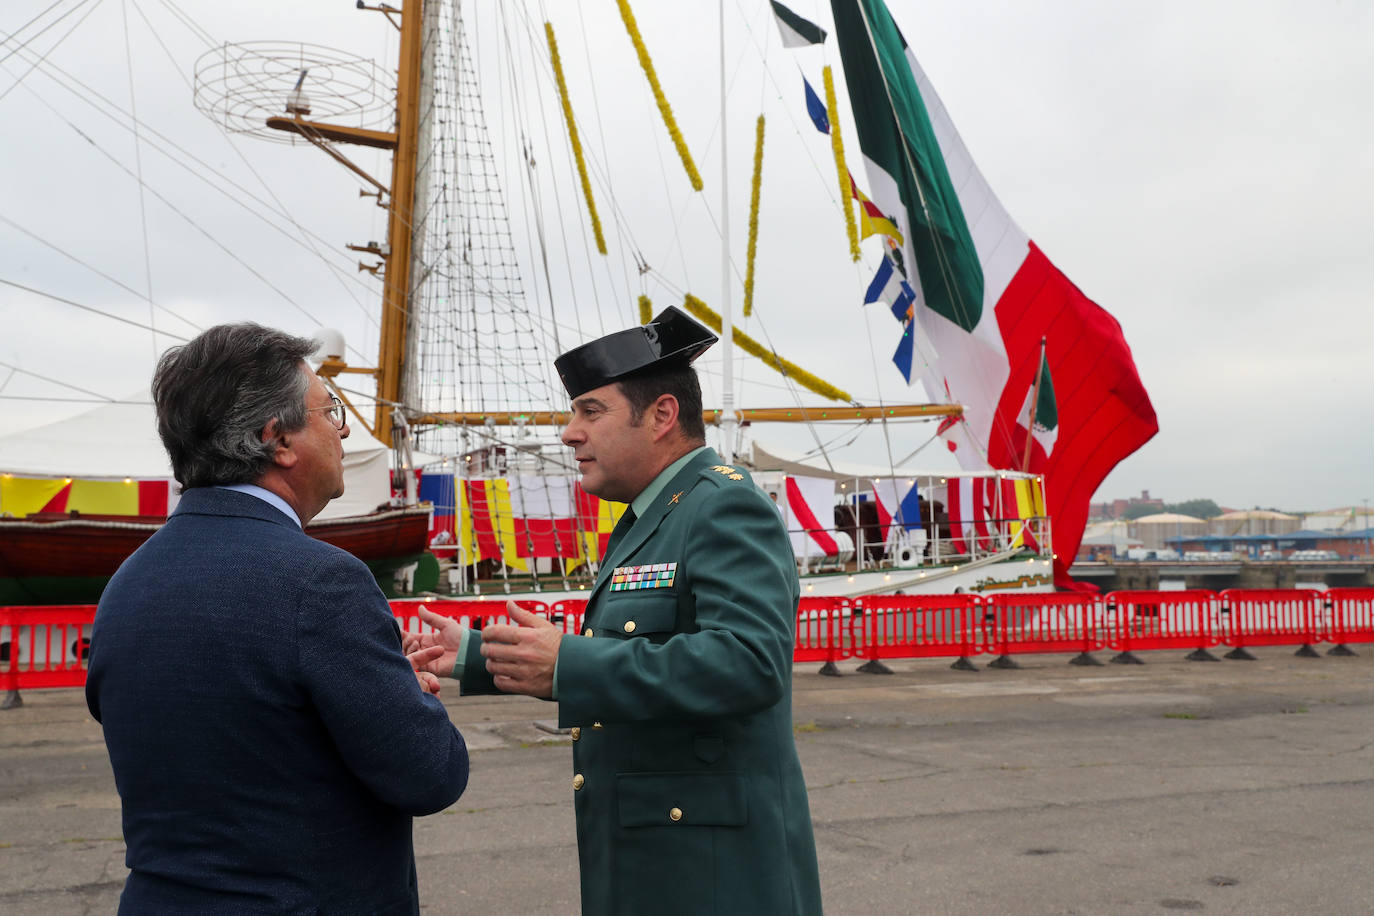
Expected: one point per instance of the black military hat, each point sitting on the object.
(672, 338)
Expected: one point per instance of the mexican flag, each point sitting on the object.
(987, 293)
(1040, 414)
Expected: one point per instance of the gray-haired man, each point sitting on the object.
(268, 738)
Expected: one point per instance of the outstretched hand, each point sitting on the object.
(521, 655)
(434, 652)
(429, 682)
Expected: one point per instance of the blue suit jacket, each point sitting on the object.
(269, 741)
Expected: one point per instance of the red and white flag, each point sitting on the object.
(811, 516)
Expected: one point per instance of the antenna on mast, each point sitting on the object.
(241, 86)
(298, 103)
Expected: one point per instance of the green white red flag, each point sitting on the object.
(987, 293)
(1040, 412)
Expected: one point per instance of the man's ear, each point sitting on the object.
(664, 413)
(283, 456)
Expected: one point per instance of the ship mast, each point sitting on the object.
(728, 420)
(400, 206)
(396, 288)
(396, 261)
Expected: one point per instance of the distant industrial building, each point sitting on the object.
(1116, 508)
(1254, 521)
(1297, 545)
(1153, 530)
(1350, 518)
(1106, 541)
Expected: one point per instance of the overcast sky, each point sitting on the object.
(1200, 169)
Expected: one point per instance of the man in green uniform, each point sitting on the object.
(688, 793)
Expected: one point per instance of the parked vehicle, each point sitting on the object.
(1313, 555)
(1145, 553)
(1209, 556)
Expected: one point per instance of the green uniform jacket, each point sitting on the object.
(688, 792)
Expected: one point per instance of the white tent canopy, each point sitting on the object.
(120, 440)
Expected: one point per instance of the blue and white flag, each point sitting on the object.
(898, 503)
(905, 347)
(816, 108)
(902, 306)
(890, 287)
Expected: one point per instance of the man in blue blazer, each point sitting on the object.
(689, 796)
(269, 740)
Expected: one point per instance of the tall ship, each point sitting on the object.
(928, 399)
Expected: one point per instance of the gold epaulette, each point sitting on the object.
(726, 471)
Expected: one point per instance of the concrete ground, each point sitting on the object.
(1229, 787)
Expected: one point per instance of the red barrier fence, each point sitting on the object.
(44, 646)
(469, 612)
(920, 626)
(1270, 617)
(1352, 615)
(1162, 620)
(826, 630)
(47, 646)
(9, 676)
(566, 615)
(1055, 622)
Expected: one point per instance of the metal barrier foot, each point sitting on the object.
(1085, 659)
(830, 669)
(873, 666)
(963, 664)
(1125, 658)
(1341, 649)
(1307, 652)
(1003, 661)
(12, 700)
(1239, 654)
(1201, 655)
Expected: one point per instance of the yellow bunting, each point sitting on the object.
(646, 310)
(500, 520)
(503, 516)
(841, 171)
(103, 497)
(20, 496)
(576, 141)
(703, 313)
(872, 221)
(753, 220)
(663, 108)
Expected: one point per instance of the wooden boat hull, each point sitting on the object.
(68, 560)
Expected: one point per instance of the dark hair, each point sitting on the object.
(643, 388)
(215, 395)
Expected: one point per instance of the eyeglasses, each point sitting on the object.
(336, 412)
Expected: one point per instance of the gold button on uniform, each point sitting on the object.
(587, 632)
(629, 626)
(675, 814)
(576, 732)
(597, 725)
(578, 782)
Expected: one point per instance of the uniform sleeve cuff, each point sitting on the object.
(462, 655)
